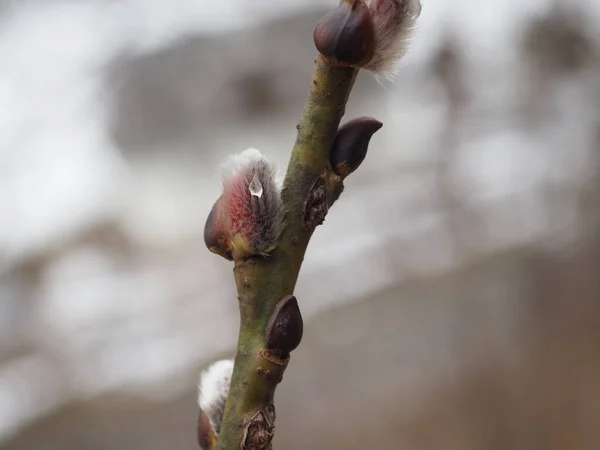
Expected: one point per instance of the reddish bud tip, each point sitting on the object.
(345, 35)
(215, 231)
(351, 144)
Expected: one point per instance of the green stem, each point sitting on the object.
(263, 282)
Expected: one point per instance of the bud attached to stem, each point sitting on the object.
(207, 438)
(216, 235)
(346, 34)
(213, 389)
(247, 219)
(285, 328)
(368, 34)
(351, 144)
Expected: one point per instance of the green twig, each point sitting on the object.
(241, 226)
(263, 282)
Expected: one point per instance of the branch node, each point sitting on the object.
(273, 358)
(316, 205)
(336, 187)
(257, 433)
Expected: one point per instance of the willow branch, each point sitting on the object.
(263, 282)
(356, 34)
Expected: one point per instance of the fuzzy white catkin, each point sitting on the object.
(394, 22)
(213, 389)
(237, 161)
(234, 163)
(250, 178)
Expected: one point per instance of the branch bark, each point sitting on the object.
(263, 282)
(371, 34)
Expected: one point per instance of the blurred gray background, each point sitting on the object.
(451, 299)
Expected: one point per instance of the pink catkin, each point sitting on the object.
(242, 219)
(257, 219)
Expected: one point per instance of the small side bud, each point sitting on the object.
(351, 144)
(316, 205)
(346, 34)
(216, 235)
(285, 328)
(394, 22)
(213, 389)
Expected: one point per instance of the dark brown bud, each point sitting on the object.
(207, 438)
(285, 328)
(351, 144)
(215, 232)
(345, 35)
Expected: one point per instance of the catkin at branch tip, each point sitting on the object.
(394, 23)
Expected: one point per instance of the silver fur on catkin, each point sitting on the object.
(253, 206)
(213, 389)
(394, 23)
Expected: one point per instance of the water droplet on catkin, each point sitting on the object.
(255, 187)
